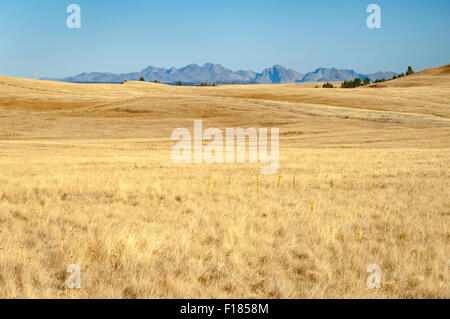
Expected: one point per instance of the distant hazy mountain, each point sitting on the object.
(193, 73)
(381, 75)
(331, 75)
(215, 73)
(278, 74)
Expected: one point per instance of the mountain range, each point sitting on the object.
(215, 73)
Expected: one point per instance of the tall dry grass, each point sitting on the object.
(141, 227)
(86, 178)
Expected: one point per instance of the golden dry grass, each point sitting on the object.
(86, 178)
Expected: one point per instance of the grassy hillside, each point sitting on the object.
(87, 179)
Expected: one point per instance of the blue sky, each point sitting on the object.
(125, 36)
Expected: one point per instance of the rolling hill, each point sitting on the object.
(87, 178)
(438, 76)
(410, 104)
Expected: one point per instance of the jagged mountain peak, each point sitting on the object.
(216, 73)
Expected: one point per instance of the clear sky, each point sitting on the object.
(126, 36)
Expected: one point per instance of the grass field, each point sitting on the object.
(86, 178)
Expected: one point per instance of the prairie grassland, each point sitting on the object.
(141, 227)
(86, 178)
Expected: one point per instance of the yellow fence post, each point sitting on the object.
(209, 182)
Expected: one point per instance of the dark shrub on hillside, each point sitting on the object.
(351, 84)
(410, 71)
(380, 81)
